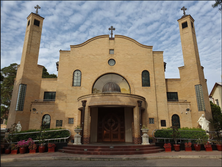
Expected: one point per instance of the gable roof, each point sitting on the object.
(215, 86)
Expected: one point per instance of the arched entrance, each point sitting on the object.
(176, 120)
(111, 126)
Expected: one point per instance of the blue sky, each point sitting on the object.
(152, 23)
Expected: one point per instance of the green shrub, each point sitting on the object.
(185, 133)
(49, 133)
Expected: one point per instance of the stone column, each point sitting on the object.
(136, 117)
(82, 119)
(86, 126)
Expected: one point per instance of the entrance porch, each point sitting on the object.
(112, 117)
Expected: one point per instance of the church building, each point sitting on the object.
(110, 86)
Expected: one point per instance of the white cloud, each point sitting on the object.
(152, 23)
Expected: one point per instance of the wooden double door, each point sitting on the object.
(111, 124)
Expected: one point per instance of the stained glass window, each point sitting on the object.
(145, 78)
(77, 78)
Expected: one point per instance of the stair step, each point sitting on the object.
(111, 152)
(111, 149)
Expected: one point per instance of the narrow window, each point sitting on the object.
(145, 78)
(46, 121)
(200, 98)
(151, 120)
(49, 96)
(36, 22)
(71, 121)
(184, 25)
(77, 78)
(28, 23)
(172, 96)
(111, 51)
(163, 123)
(176, 120)
(21, 97)
(58, 123)
(217, 102)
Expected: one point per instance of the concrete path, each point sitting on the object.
(79, 157)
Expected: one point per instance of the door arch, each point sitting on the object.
(176, 120)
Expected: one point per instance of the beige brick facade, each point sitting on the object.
(91, 58)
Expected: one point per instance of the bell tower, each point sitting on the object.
(29, 74)
(194, 85)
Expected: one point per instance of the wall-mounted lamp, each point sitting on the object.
(36, 112)
(34, 109)
(188, 109)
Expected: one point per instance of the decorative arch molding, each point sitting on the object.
(111, 77)
(107, 36)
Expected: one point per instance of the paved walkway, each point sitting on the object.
(81, 157)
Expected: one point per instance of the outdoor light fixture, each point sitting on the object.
(34, 109)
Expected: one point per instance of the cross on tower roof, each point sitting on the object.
(111, 28)
(37, 7)
(183, 8)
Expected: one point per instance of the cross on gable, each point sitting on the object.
(111, 28)
(183, 8)
(37, 7)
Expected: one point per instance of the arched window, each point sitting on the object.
(77, 78)
(176, 120)
(46, 121)
(145, 78)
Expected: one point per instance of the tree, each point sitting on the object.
(45, 74)
(216, 121)
(8, 75)
(217, 3)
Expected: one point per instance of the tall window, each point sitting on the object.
(49, 96)
(145, 78)
(46, 121)
(172, 96)
(77, 78)
(200, 98)
(176, 120)
(21, 97)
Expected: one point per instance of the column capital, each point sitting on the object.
(84, 103)
(139, 102)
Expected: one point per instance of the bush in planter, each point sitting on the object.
(14, 148)
(167, 147)
(22, 146)
(51, 147)
(208, 146)
(188, 146)
(32, 146)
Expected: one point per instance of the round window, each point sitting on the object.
(112, 62)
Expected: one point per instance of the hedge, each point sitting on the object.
(49, 133)
(185, 133)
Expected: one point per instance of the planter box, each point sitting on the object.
(42, 148)
(22, 150)
(168, 149)
(208, 148)
(188, 148)
(197, 147)
(14, 151)
(32, 151)
(176, 147)
(219, 147)
(7, 151)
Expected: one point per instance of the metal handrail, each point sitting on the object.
(159, 138)
(63, 138)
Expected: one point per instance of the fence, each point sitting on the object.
(52, 139)
(212, 136)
